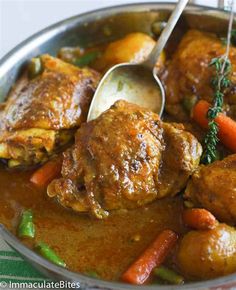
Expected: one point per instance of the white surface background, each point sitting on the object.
(21, 18)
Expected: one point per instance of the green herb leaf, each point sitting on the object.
(220, 82)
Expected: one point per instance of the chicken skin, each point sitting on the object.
(213, 187)
(125, 158)
(41, 114)
(208, 254)
(188, 74)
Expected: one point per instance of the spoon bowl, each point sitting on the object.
(136, 83)
(130, 82)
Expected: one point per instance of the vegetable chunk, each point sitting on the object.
(208, 254)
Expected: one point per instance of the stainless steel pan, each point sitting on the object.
(87, 29)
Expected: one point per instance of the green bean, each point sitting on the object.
(168, 275)
(26, 227)
(44, 250)
(86, 59)
(92, 274)
(188, 102)
(34, 67)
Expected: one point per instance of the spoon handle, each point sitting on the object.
(161, 42)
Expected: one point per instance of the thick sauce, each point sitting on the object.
(105, 246)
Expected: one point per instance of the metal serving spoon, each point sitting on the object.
(136, 83)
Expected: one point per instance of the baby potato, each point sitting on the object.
(208, 254)
(134, 47)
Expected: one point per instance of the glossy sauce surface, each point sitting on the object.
(105, 246)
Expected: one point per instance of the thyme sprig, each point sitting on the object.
(220, 82)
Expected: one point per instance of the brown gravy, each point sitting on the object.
(85, 244)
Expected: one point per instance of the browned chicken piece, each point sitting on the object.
(214, 188)
(134, 48)
(41, 114)
(208, 254)
(188, 75)
(125, 158)
(179, 159)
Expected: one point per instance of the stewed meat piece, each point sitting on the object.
(41, 114)
(125, 158)
(214, 188)
(188, 74)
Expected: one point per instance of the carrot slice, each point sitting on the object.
(227, 126)
(152, 257)
(45, 174)
(200, 113)
(199, 219)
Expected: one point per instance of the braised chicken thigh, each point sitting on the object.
(171, 220)
(213, 187)
(41, 114)
(188, 75)
(125, 158)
